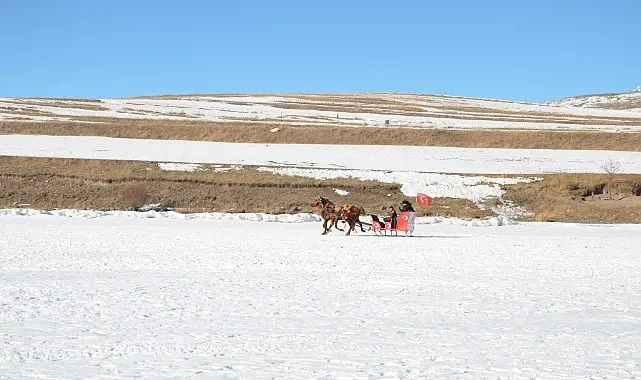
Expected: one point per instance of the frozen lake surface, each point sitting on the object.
(121, 297)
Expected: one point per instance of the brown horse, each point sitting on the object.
(328, 212)
(350, 214)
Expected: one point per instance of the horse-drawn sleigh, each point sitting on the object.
(350, 214)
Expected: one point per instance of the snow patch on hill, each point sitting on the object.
(475, 188)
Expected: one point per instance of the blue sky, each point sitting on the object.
(514, 50)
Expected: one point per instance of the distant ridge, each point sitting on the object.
(606, 112)
(614, 101)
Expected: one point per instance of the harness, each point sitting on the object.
(346, 211)
(329, 208)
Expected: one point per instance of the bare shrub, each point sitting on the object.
(134, 195)
(612, 168)
(597, 189)
(542, 217)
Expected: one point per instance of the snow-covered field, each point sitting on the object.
(152, 298)
(362, 110)
(345, 157)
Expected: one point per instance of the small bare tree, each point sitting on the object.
(612, 168)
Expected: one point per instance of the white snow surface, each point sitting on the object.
(348, 157)
(474, 188)
(180, 167)
(158, 296)
(341, 192)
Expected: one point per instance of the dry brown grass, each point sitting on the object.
(352, 108)
(93, 106)
(22, 112)
(260, 133)
(577, 198)
(80, 100)
(542, 217)
(134, 195)
(85, 104)
(97, 184)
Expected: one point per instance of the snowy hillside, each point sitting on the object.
(630, 101)
(380, 110)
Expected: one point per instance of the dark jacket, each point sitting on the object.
(406, 206)
(393, 218)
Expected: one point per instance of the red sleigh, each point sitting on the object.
(404, 223)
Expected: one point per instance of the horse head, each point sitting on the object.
(321, 202)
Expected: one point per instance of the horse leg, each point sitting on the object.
(336, 225)
(352, 224)
(329, 222)
(325, 229)
(351, 228)
(361, 211)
